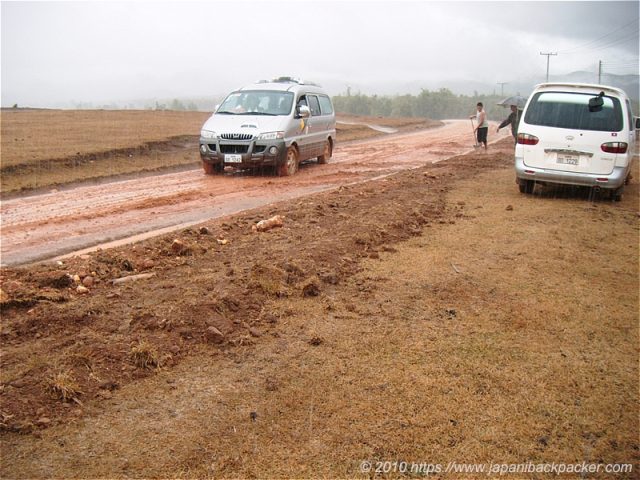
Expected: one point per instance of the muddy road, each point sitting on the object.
(45, 226)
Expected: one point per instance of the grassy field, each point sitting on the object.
(30, 136)
(46, 148)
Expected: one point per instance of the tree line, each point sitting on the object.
(436, 105)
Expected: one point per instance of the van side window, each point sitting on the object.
(325, 105)
(314, 105)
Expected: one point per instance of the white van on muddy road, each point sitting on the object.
(277, 124)
(576, 134)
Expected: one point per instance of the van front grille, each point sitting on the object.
(236, 136)
(230, 148)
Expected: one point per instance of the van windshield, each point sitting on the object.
(257, 102)
(571, 110)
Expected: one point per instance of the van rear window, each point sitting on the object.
(571, 110)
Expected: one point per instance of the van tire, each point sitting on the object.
(616, 195)
(326, 155)
(290, 164)
(526, 186)
(212, 169)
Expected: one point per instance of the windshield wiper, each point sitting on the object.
(226, 112)
(257, 113)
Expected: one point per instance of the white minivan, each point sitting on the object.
(277, 123)
(576, 134)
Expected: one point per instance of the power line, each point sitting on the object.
(589, 45)
(616, 68)
(615, 42)
(623, 62)
(620, 66)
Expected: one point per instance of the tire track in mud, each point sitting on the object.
(45, 226)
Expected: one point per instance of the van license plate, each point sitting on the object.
(233, 158)
(568, 159)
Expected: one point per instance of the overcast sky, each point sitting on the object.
(57, 52)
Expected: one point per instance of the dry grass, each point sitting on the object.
(33, 135)
(346, 132)
(527, 353)
(497, 336)
(29, 136)
(49, 174)
(394, 122)
(42, 148)
(29, 359)
(270, 280)
(145, 355)
(65, 387)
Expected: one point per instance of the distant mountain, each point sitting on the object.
(522, 86)
(629, 83)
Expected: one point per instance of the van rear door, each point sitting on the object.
(569, 133)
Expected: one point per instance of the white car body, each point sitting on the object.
(563, 139)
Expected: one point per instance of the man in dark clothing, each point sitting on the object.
(513, 119)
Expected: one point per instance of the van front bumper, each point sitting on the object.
(613, 180)
(243, 154)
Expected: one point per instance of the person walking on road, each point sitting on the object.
(513, 119)
(483, 125)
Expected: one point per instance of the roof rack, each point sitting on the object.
(293, 80)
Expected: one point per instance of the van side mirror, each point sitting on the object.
(637, 123)
(596, 103)
(303, 111)
(215, 109)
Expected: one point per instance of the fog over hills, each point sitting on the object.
(203, 102)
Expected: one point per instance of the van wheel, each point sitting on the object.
(326, 155)
(616, 195)
(290, 165)
(526, 186)
(212, 169)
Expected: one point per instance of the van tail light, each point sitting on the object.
(614, 147)
(526, 139)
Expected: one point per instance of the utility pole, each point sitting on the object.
(502, 84)
(549, 54)
(599, 71)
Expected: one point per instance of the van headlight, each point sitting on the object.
(208, 134)
(271, 136)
